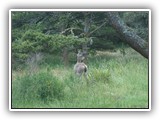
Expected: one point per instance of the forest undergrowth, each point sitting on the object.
(115, 81)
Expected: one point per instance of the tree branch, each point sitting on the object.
(133, 40)
(71, 29)
(97, 28)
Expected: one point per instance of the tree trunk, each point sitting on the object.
(134, 41)
(87, 24)
(65, 56)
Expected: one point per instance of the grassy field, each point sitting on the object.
(115, 81)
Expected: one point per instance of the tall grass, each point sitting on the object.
(41, 86)
(115, 81)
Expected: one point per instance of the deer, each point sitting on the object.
(80, 68)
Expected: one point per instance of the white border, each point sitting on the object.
(79, 10)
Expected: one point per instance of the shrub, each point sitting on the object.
(41, 86)
(34, 42)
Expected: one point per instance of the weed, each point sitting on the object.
(100, 75)
(115, 82)
(41, 86)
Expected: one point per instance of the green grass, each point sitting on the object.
(114, 82)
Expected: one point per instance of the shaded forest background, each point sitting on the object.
(62, 33)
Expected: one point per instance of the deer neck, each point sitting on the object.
(79, 61)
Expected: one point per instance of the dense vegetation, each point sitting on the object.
(44, 48)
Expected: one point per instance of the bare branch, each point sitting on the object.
(70, 29)
(97, 28)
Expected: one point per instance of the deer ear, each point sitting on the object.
(83, 58)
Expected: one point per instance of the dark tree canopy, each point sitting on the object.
(62, 32)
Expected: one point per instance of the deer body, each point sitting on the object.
(80, 68)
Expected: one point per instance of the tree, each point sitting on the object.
(133, 40)
(65, 32)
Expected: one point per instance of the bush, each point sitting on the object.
(41, 86)
(34, 42)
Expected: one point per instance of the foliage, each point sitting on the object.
(115, 80)
(58, 87)
(138, 21)
(100, 75)
(41, 86)
(34, 42)
(51, 32)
